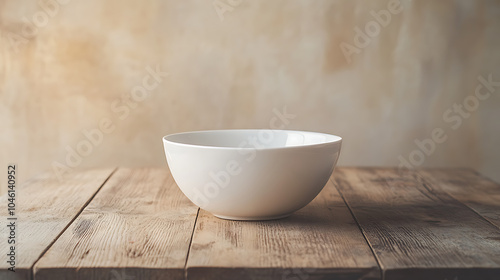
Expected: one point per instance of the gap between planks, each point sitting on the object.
(359, 226)
(70, 223)
(429, 175)
(45, 206)
(133, 200)
(190, 243)
(80, 212)
(433, 188)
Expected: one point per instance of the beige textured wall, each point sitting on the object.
(65, 68)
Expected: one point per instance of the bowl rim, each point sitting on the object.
(338, 140)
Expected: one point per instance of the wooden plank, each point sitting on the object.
(469, 187)
(137, 227)
(321, 241)
(417, 231)
(45, 206)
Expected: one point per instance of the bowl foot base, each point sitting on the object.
(262, 218)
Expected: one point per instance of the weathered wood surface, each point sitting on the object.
(368, 223)
(469, 187)
(416, 230)
(138, 226)
(321, 241)
(45, 206)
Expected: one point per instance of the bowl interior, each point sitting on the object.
(258, 138)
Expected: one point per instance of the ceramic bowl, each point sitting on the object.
(251, 174)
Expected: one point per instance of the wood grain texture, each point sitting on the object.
(469, 187)
(45, 206)
(137, 227)
(418, 231)
(321, 241)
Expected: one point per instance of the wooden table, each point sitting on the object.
(368, 223)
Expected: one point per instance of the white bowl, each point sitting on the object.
(251, 174)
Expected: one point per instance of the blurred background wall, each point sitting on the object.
(98, 83)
